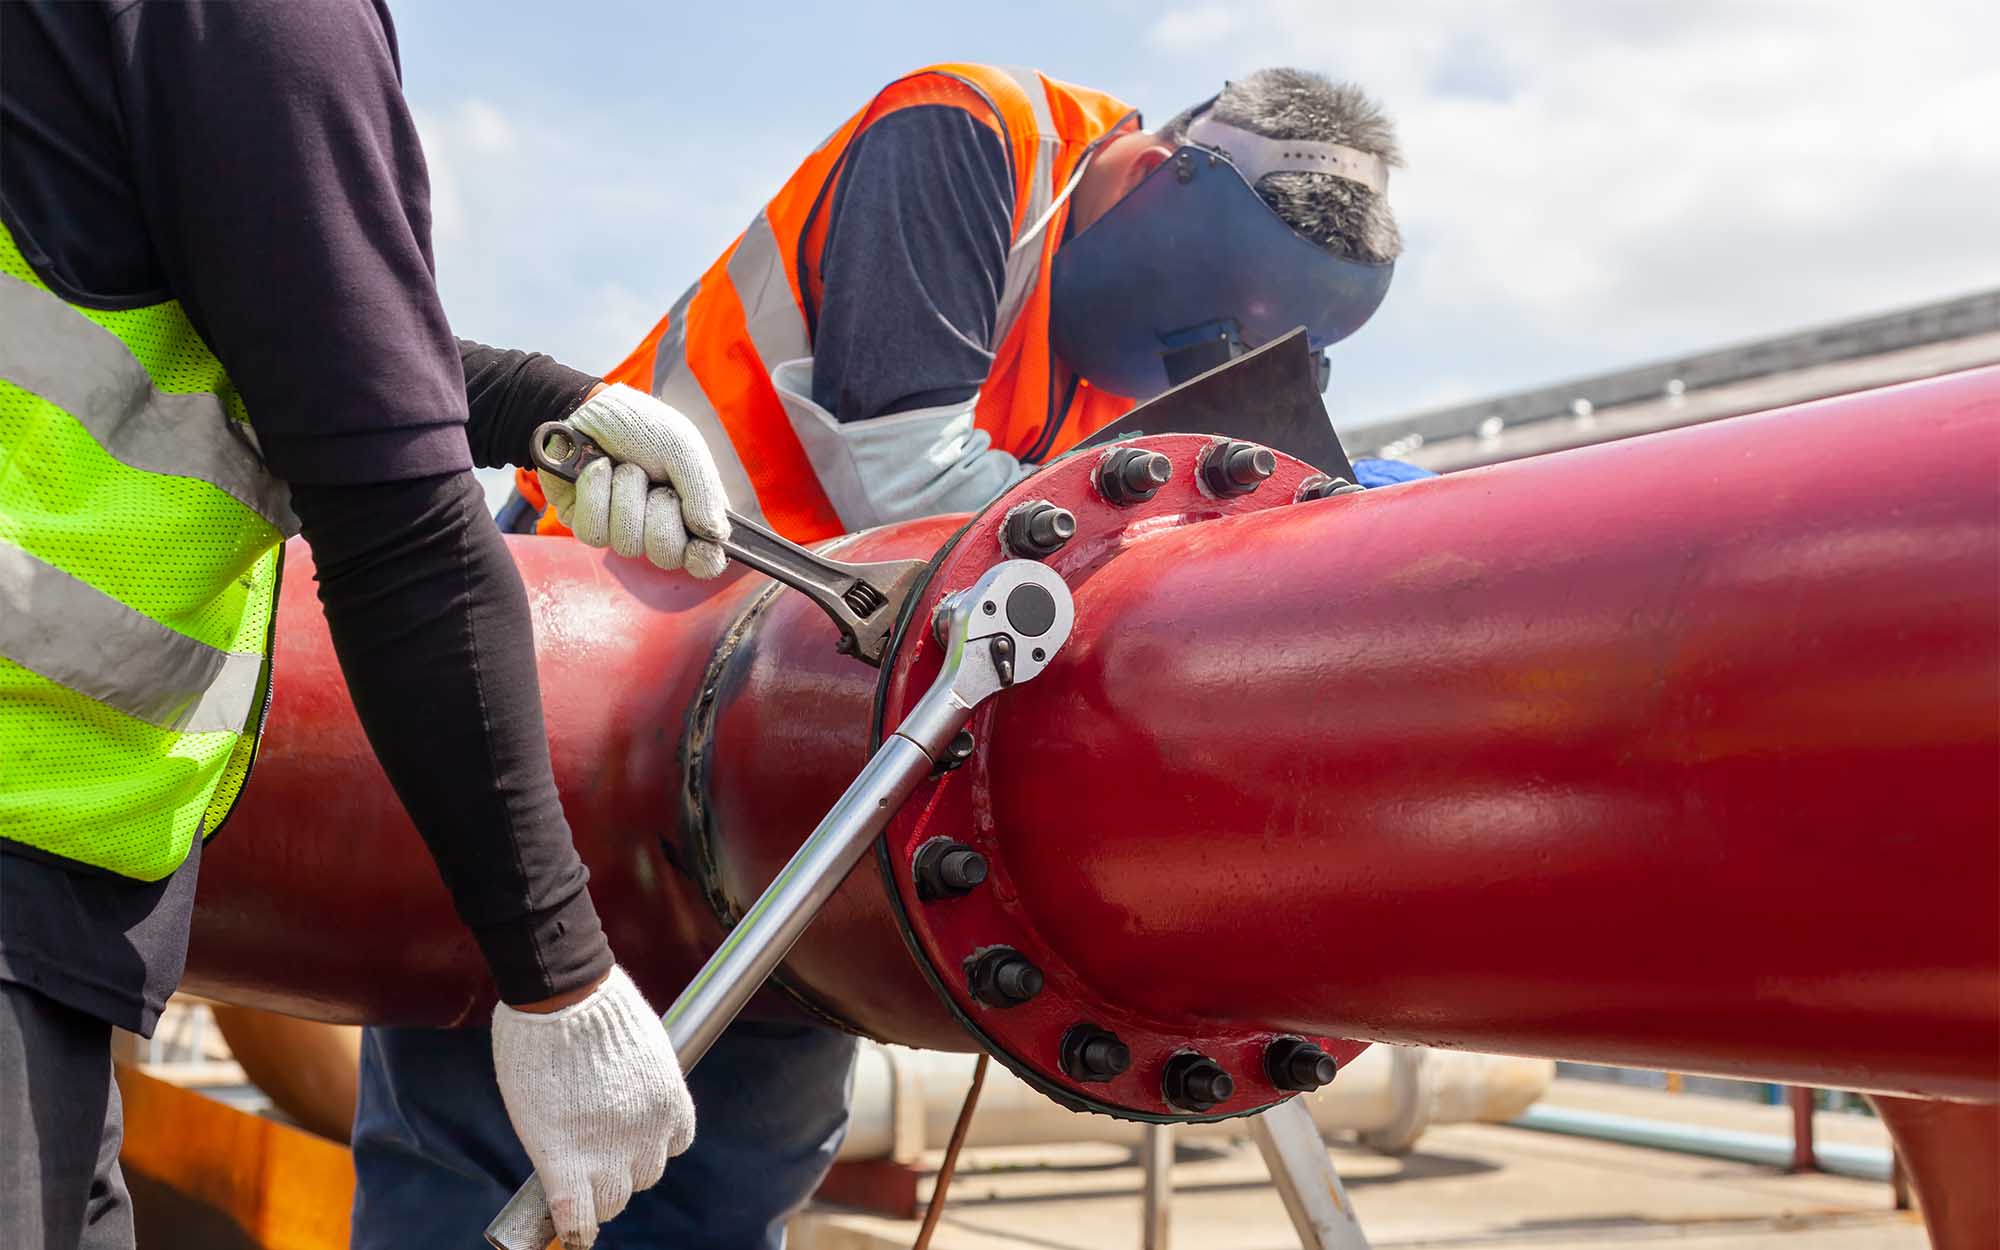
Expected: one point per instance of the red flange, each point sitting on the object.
(950, 935)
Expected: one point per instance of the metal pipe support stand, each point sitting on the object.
(1156, 1163)
(1303, 1174)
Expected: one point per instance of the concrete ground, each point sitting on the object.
(1466, 1187)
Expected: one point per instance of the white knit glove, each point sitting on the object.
(658, 494)
(596, 1095)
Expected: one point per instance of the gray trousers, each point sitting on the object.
(60, 1128)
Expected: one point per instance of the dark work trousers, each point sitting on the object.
(435, 1155)
(60, 1126)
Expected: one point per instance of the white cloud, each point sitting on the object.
(571, 234)
(1592, 185)
(486, 130)
(1194, 27)
(1589, 185)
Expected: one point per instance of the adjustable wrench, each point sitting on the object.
(864, 600)
(1002, 630)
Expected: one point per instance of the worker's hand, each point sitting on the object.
(658, 494)
(597, 1097)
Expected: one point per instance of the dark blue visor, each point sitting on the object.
(1193, 253)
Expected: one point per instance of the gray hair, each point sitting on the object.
(1344, 217)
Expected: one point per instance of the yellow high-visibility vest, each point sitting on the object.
(140, 541)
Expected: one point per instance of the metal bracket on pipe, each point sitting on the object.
(1002, 630)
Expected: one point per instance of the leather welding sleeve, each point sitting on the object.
(912, 269)
(280, 173)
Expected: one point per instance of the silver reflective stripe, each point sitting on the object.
(1048, 145)
(1030, 83)
(674, 383)
(1024, 259)
(770, 310)
(51, 350)
(80, 638)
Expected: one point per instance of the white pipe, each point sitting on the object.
(1868, 1163)
(906, 1100)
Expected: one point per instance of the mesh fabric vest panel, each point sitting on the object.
(123, 540)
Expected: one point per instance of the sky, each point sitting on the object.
(1588, 185)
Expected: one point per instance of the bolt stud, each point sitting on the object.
(1003, 977)
(1017, 980)
(1323, 487)
(1133, 475)
(945, 868)
(1296, 1064)
(1039, 529)
(1092, 1055)
(1196, 1083)
(1233, 468)
(957, 751)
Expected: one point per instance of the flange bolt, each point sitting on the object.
(1093, 1055)
(1296, 1064)
(1196, 1082)
(1323, 487)
(945, 868)
(1133, 475)
(1003, 977)
(1038, 529)
(941, 618)
(1233, 468)
(957, 751)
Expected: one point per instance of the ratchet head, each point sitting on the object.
(1003, 629)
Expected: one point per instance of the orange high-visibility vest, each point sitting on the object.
(711, 356)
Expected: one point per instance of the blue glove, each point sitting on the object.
(1372, 473)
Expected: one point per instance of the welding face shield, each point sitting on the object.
(1191, 267)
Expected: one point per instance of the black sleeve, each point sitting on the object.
(430, 622)
(509, 393)
(284, 186)
(913, 265)
(282, 179)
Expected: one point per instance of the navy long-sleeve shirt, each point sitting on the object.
(913, 265)
(256, 161)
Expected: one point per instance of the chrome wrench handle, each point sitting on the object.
(864, 600)
(1002, 630)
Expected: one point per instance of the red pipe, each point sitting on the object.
(1674, 752)
(317, 898)
(1677, 752)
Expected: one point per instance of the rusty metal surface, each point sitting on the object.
(205, 1176)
